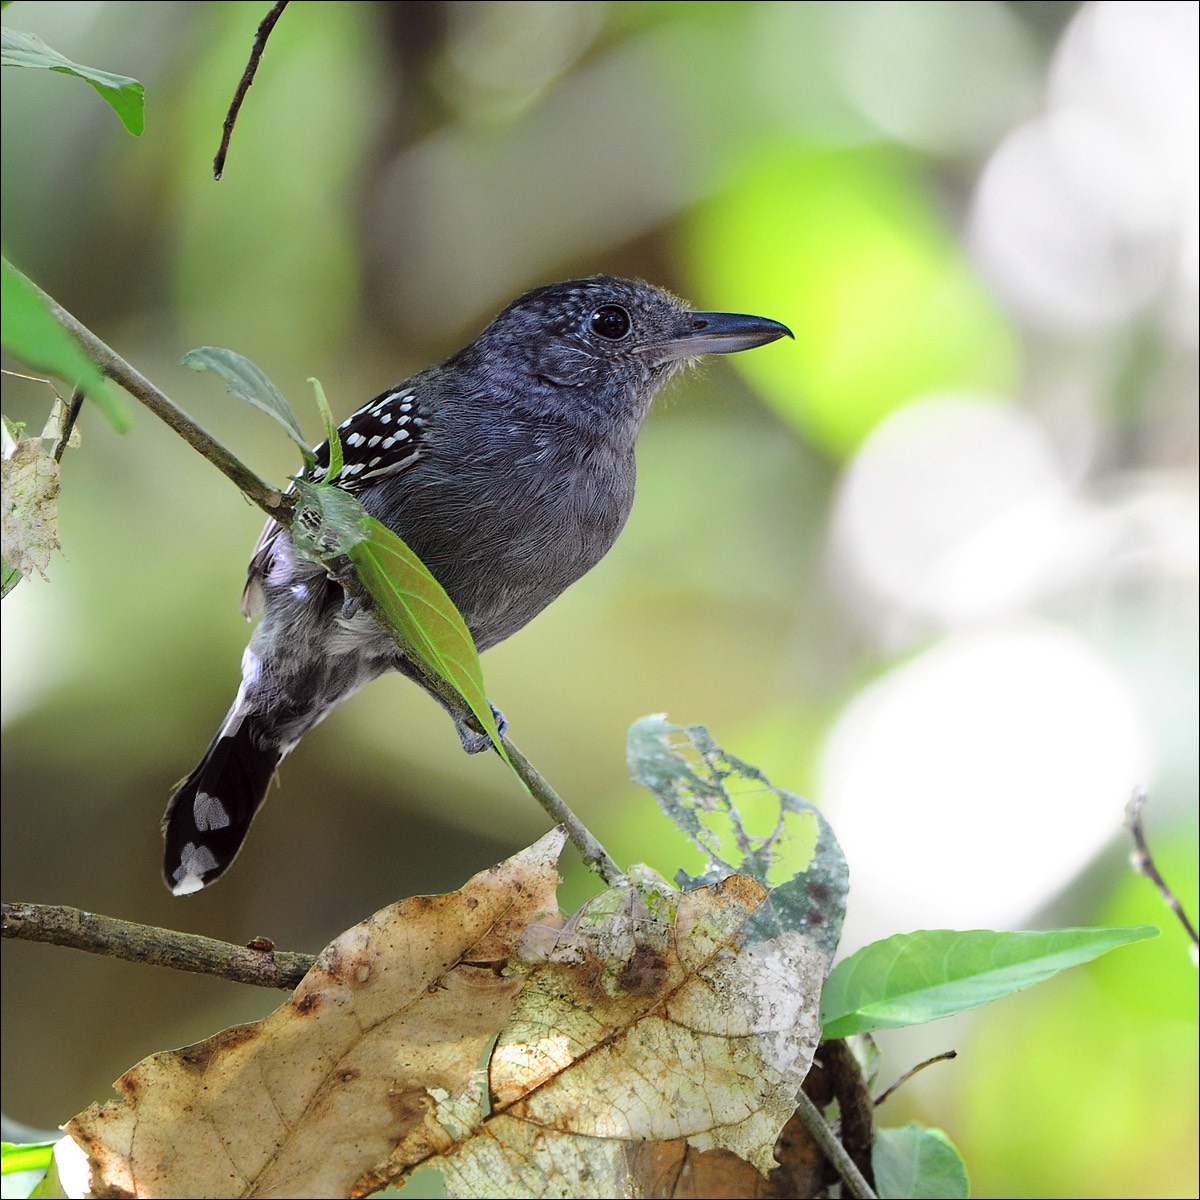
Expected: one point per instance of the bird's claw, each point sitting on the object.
(474, 739)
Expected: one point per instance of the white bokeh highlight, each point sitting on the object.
(1086, 215)
(958, 509)
(968, 785)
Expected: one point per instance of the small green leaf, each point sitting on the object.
(331, 433)
(125, 96)
(9, 578)
(916, 977)
(25, 1156)
(31, 333)
(915, 1163)
(248, 382)
(330, 523)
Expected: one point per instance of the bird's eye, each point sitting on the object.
(610, 321)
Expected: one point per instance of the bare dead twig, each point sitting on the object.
(235, 106)
(1143, 863)
(72, 416)
(937, 1058)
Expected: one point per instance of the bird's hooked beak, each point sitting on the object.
(720, 333)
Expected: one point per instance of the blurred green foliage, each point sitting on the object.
(884, 303)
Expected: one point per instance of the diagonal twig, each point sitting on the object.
(235, 105)
(271, 500)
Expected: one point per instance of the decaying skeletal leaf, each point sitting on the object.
(316, 1095)
(647, 1021)
(650, 1029)
(745, 824)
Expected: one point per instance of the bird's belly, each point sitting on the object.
(503, 562)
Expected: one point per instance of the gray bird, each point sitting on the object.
(508, 468)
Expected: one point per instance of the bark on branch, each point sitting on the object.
(258, 963)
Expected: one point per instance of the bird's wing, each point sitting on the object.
(380, 439)
(383, 437)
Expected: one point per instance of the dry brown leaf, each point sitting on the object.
(316, 1095)
(645, 1022)
(690, 1035)
(516, 1159)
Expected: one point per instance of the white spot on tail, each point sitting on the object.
(209, 812)
(194, 862)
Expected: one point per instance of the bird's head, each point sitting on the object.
(598, 350)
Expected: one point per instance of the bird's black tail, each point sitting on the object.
(209, 815)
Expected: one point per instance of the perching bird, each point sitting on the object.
(508, 468)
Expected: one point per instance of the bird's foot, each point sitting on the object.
(474, 739)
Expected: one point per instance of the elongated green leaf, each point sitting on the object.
(31, 334)
(331, 433)
(125, 96)
(248, 382)
(330, 523)
(916, 977)
(25, 1156)
(413, 602)
(915, 1163)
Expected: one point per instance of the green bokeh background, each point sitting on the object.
(398, 172)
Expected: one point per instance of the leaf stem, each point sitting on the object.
(61, 925)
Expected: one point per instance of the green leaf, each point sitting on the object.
(9, 578)
(31, 333)
(914, 1163)
(125, 96)
(25, 1156)
(916, 977)
(331, 434)
(330, 523)
(248, 382)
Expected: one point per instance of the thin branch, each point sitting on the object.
(269, 499)
(593, 853)
(1143, 863)
(832, 1148)
(937, 1058)
(595, 857)
(256, 53)
(59, 925)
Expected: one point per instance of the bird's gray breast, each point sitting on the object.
(509, 516)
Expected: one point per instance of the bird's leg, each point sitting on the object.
(358, 599)
(472, 735)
